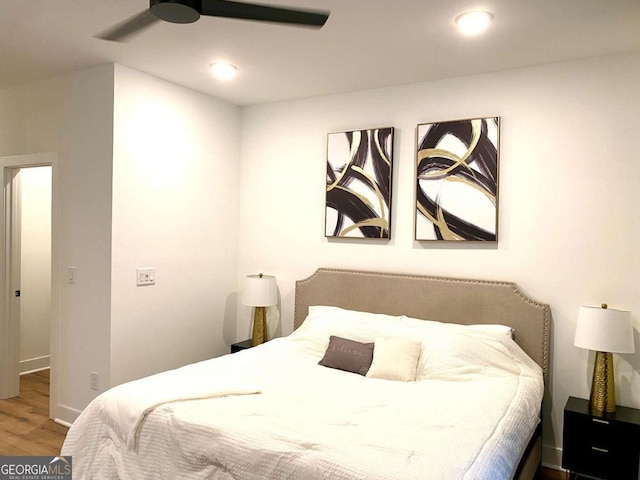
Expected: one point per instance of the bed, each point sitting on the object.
(470, 408)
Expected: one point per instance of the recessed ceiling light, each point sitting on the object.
(473, 23)
(223, 71)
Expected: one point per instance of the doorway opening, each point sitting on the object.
(35, 268)
(28, 325)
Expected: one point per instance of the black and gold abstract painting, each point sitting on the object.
(358, 198)
(457, 180)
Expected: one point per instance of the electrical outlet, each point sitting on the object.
(94, 381)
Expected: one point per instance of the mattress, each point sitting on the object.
(271, 412)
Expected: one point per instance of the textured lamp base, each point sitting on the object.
(603, 393)
(259, 326)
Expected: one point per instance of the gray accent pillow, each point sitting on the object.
(348, 355)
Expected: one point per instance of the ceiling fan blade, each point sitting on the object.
(264, 13)
(128, 27)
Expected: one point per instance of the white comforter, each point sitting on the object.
(282, 416)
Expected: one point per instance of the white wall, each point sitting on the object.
(175, 208)
(568, 222)
(162, 173)
(73, 116)
(35, 252)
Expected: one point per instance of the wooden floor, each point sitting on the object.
(25, 427)
(549, 474)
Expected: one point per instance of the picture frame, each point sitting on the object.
(358, 184)
(457, 180)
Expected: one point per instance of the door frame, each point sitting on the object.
(9, 281)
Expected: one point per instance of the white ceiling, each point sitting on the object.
(365, 43)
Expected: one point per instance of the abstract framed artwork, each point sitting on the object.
(358, 190)
(457, 180)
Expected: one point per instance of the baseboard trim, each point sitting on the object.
(65, 415)
(32, 365)
(552, 458)
(62, 422)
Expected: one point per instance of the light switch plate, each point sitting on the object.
(145, 276)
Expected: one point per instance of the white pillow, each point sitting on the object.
(395, 358)
(359, 326)
(450, 349)
(351, 315)
(487, 328)
(493, 329)
(324, 321)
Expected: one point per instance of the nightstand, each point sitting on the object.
(236, 347)
(606, 446)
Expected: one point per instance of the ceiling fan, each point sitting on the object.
(188, 11)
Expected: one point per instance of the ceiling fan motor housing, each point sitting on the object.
(176, 11)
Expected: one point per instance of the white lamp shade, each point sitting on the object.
(604, 330)
(260, 291)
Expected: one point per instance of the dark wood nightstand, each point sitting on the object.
(605, 446)
(236, 347)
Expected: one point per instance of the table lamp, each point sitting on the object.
(606, 331)
(259, 292)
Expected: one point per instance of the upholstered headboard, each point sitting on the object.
(452, 300)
